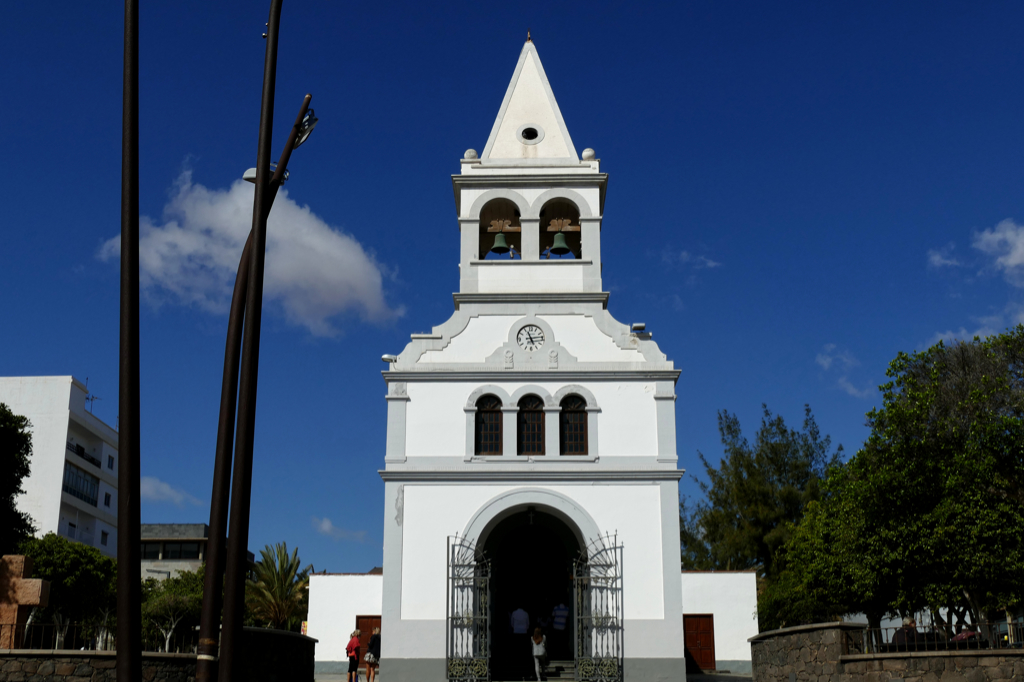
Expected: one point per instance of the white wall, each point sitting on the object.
(436, 419)
(45, 401)
(334, 602)
(731, 596)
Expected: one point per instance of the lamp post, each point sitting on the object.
(129, 550)
(238, 389)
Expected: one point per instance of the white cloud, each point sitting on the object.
(829, 354)
(691, 260)
(1005, 243)
(940, 258)
(850, 389)
(314, 272)
(152, 489)
(325, 527)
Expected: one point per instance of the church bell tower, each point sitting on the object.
(531, 464)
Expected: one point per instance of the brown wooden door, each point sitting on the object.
(699, 638)
(365, 625)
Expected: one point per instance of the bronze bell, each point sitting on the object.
(559, 247)
(500, 245)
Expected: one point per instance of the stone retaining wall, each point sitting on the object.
(266, 656)
(30, 665)
(831, 652)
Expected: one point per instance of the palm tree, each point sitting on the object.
(277, 592)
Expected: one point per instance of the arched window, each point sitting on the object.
(488, 425)
(531, 425)
(572, 426)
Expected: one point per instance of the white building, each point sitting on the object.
(72, 487)
(720, 615)
(531, 446)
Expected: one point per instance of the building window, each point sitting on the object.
(71, 530)
(150, 550)
(181, 550)
(488, 425)
(106, 499)
(110, 462)
(103, 537)
(572, 423)
(82, 485)
(530, 422)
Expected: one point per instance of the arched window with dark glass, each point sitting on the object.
(572, 426)
(530, 421)
(488, 425)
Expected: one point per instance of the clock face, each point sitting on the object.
(530, 337)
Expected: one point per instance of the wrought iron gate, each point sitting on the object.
(469, 603)
(597, 583)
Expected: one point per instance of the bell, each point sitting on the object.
(559, 247)
(500, 245)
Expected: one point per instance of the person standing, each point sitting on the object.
(540, 652)
(352, 649)
(373, 655)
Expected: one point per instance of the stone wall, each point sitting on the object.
(267, 656)
(831, 652)
(24, 665)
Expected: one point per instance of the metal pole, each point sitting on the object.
(209, 622)
(207, 652)
(129, 589)
(234, 593)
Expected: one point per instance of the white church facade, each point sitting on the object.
(531, 442)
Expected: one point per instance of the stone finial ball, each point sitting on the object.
(588, 154)
(470, 154)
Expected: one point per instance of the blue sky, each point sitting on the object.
(798, 191)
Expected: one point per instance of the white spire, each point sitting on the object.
(529, 123)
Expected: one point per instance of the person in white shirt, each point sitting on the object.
(540, 652)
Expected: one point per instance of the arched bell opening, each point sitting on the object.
(500, 230)
(531, 553)
(560, 217)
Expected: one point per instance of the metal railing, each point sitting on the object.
(80, 451)
(90, 637)
(985, 635)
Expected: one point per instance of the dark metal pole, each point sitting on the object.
(129, 588)
(207, 653)
(209, 622)
(234, 593)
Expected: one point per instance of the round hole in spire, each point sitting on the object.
(531, 133)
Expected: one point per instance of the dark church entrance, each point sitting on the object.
(531, 555)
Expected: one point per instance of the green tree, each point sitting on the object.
(928, 514)
(82, 580)
(277, 593)
(171, 606)
(15, 454)
(755, 495)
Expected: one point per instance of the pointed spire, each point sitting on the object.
(529, 125)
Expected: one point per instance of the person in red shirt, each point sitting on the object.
(352, 649)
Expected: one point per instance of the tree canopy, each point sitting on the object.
(15, 456)
(277, 593)
(82, 581)
(171, 607)
(929, 513)
(755, 495)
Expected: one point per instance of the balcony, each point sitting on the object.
(80, 451)
(80, 484)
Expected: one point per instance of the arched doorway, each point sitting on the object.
(531, 555)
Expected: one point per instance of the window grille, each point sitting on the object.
(573, 426)
(531, 426)
(488, 425)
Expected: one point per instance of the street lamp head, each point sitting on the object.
(250, 174)
(308, 123)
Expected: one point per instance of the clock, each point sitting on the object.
(530, 337)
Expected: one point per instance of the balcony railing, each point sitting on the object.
(80, 451)
(80, 484)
